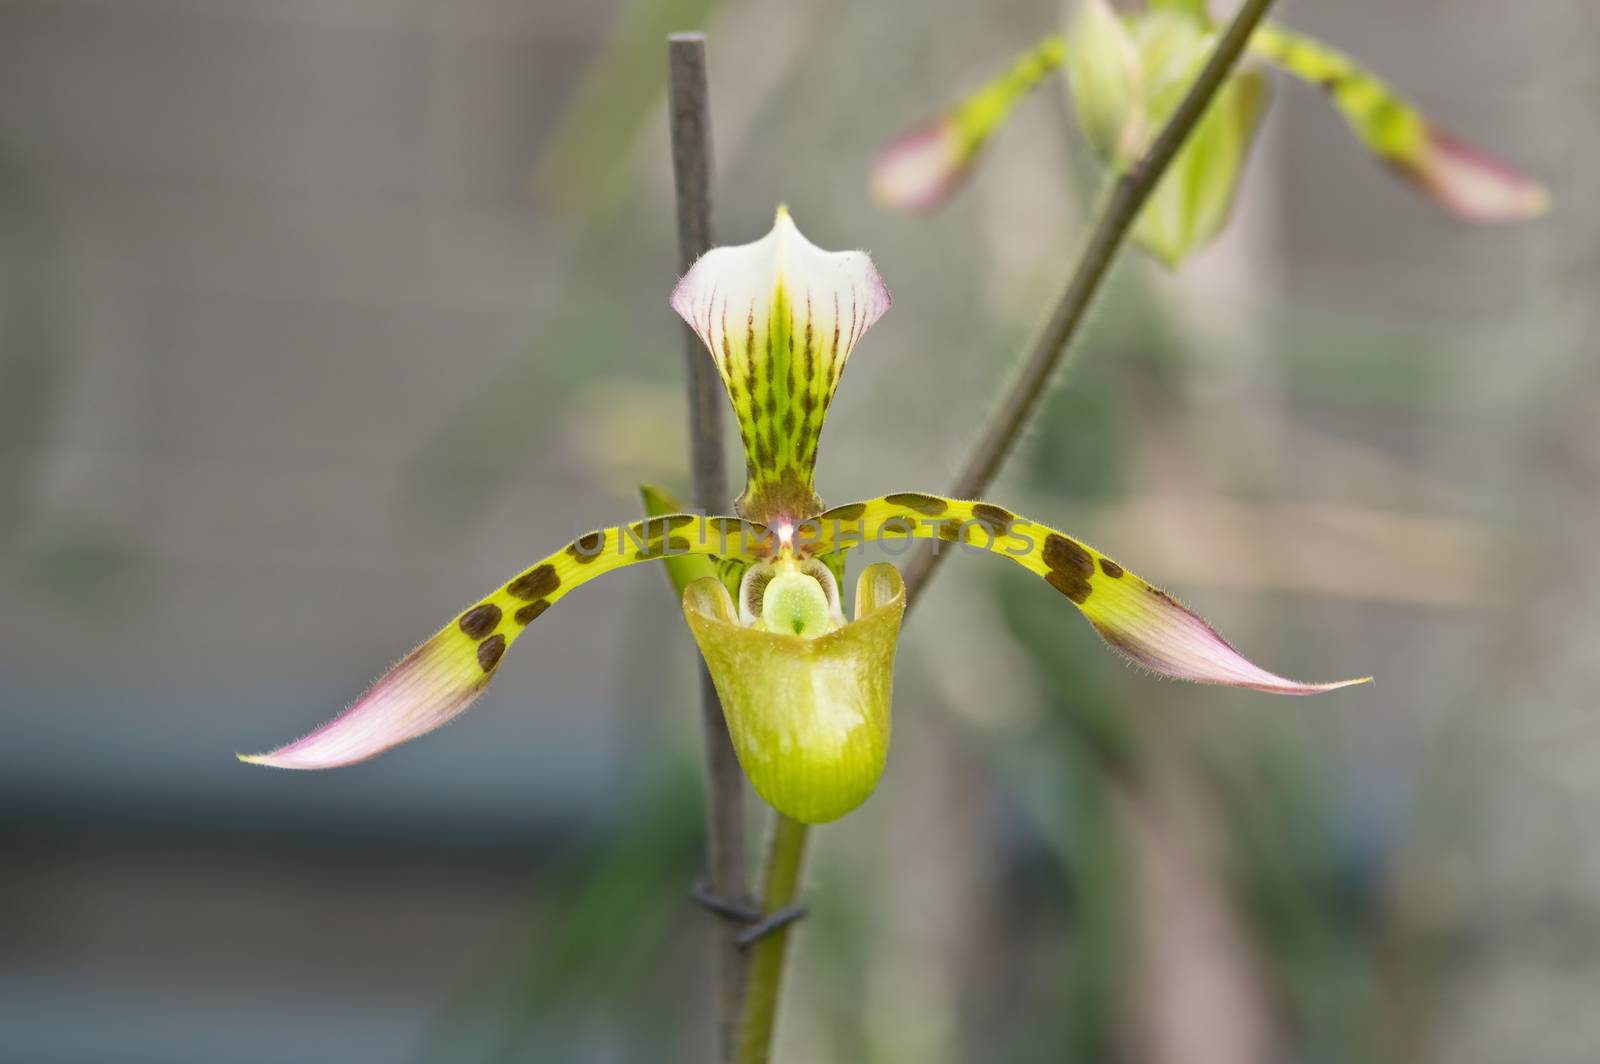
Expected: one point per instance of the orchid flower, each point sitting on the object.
(1127, 73)
(804, 689)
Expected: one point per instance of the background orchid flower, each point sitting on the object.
(806, 691)
(1127, 72)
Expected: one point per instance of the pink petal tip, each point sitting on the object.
(432, 686)
(1472, 184)
(922, 169)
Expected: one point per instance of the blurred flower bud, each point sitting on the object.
(1194, 200)
(1106, 82)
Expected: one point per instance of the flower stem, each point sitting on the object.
(1115, 221)
(785, 858)
(690, 105)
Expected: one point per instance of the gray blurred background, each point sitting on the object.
(318, 317)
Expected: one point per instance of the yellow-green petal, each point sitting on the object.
(923, 168)
(1455, 175)
(1137, 619)
(809, 718)
(439, 680)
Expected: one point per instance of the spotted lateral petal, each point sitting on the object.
(780, 317)
(440, 679)
(921, 169)
(1453, 174)
(1139, 620)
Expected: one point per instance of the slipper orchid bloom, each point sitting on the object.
(805, 690)
(1127, 73)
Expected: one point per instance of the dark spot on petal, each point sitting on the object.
(480, 620)
(1111, 568)
(899, 525)
(1064, 556)
(915, 500)
(677, 521)
(1073, 585)
(848, 512)
(489, 652)
(529, 613)
(586, 549)
(997, 519)
(535, 583)
(678, 545)
(950, 530)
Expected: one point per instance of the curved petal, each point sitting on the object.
(922, 169)
(440, 679)
(1139, 620)
(809, 718)
(780, 317)
(1453, 174)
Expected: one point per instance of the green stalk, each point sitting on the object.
(785, 858)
